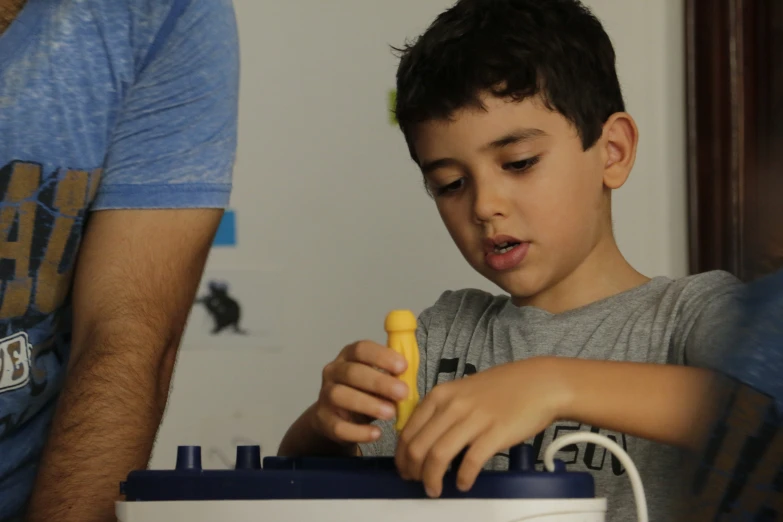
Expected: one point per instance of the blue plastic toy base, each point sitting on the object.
(341, 478)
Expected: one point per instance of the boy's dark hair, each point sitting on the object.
(514, 49)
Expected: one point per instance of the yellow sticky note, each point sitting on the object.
(392, 105)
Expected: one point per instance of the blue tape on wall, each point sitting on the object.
(227, 230)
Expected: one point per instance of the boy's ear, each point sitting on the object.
(619, 140)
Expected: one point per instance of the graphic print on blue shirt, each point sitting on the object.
(41, 222)
(739, 475)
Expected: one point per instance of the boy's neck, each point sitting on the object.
(604, 273)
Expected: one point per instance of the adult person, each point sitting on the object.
(118, 134)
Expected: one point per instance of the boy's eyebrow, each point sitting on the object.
(517, 136)
(431, 166)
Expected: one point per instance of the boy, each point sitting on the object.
(514, 114)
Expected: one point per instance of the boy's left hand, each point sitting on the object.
(488, 411)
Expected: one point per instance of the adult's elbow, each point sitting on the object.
(132, 342)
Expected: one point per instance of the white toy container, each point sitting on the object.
(375, 510)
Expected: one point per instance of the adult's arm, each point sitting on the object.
(135, 280)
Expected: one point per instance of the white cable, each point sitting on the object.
(614, 448)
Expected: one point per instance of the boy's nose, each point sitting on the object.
(490, 202)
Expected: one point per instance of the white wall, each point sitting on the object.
(332, 215)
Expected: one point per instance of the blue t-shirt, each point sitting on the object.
(739, 474)
(104, 104)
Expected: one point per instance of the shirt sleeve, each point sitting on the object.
(174, 143)
(707, 317)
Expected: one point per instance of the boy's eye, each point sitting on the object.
(521, 165)
(451, 187)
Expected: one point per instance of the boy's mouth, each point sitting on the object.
(505, 247)
(503, 253)
(500, 244)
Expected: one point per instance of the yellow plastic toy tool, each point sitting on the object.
(401, 328)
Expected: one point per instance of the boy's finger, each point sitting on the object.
(374, 354)
(417, 447)
(345, 431)
(444, 450)
(481, 450)
(418, 419)
(356, 401)
(370, 380)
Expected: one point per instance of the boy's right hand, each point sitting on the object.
(359, 386)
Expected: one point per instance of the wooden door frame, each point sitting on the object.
(726, 74)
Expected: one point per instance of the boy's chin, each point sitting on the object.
(521, 283)
(518, 284)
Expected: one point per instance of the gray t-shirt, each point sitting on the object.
(664, 321)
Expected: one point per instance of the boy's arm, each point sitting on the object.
(492, 410)
(670, 404)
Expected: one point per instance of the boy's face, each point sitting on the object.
(524, 203)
